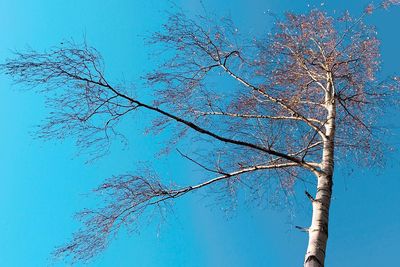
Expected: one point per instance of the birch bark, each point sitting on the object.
(318, 231)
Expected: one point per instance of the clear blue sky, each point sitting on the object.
(43, 184)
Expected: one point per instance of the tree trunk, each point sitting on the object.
(318, 231)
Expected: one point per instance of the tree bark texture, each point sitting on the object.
(318, 231)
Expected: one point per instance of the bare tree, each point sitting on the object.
(302, 99)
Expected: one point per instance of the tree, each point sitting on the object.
(306, 97)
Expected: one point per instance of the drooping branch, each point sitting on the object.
(70, 66)
(126, 198)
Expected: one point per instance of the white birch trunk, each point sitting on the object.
(318, 231)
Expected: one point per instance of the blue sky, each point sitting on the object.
(43, 184)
